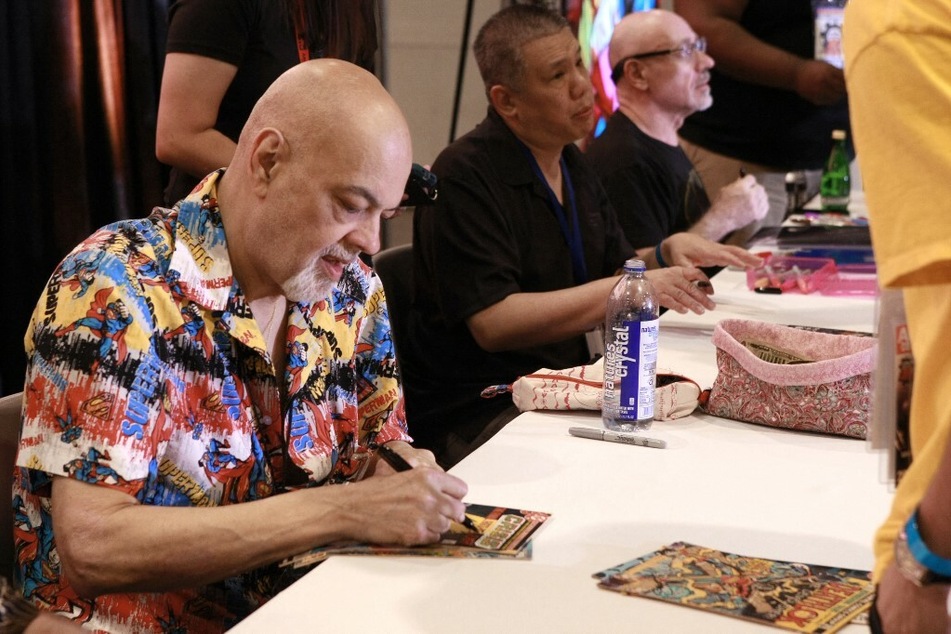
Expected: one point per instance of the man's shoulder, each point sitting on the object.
(619, 146)
(490, 146)
(472, 148)
(122, 261)
(130, 241)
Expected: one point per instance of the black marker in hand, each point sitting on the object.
(399, 464)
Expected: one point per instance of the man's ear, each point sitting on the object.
(637, 75)
(503, 101)
(268, 154)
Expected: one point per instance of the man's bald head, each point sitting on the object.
(661, 71)
(645, 31)
(323, 103)
(323, 157)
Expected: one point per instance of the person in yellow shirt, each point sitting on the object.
(897, 71)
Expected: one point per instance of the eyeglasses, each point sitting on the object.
(684, 51)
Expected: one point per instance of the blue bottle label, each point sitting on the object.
(635, 359)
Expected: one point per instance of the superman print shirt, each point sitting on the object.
(148, 373)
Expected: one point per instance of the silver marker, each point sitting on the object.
(617, 436)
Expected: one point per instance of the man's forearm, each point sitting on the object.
(522, 320)
(711, 227)
(738, 53)
(110, 543)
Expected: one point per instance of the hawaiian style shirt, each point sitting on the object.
(148, 373)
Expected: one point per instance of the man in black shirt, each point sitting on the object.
(515, 261)
(662, 77)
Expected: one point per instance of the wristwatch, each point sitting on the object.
(915, 561)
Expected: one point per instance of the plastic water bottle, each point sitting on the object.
(829, 17)
(631, 330)
(836, 186)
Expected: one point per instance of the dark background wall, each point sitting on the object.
(79, 83)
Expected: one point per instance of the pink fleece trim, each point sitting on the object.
(838, 356)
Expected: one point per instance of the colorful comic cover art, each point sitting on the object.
(505, 533)
(792, 596)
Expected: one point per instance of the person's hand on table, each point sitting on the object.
(905, 607)
(820, 82)
(690, 250)
(741, 202)
(406, 508)
(682, 289)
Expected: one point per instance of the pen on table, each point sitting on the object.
(399, 464)
(616, 436)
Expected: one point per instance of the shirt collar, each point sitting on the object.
(200, 263)
(513, 166)
(200, 267)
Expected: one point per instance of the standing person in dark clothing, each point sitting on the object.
(222, 55)
(775, 106)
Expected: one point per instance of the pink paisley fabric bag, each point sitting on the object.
(793, 378)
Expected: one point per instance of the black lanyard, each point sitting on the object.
(572, 235)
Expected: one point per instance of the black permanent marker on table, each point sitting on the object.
(616, 436)
(399, 464)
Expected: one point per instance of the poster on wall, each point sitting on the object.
(593, 22)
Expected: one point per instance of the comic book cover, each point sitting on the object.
(505, 533)
(889, 429)
(793, 596)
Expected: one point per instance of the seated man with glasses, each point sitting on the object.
(662, 72)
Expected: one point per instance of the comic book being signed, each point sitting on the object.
(794, 596)
(505, 533)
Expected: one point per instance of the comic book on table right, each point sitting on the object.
(788, 595)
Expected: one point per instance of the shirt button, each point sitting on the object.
(265, 420)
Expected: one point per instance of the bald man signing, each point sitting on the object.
(199, 379)
(661, 70)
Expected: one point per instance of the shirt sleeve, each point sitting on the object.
(93, 391)
(468, 234)
(219, 29)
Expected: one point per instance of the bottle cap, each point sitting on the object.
(633, 265)
(838, 135)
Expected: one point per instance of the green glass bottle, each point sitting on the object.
(836, 186)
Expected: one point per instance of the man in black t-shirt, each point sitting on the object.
(221, 55)
(515, 261)
(661, 71)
